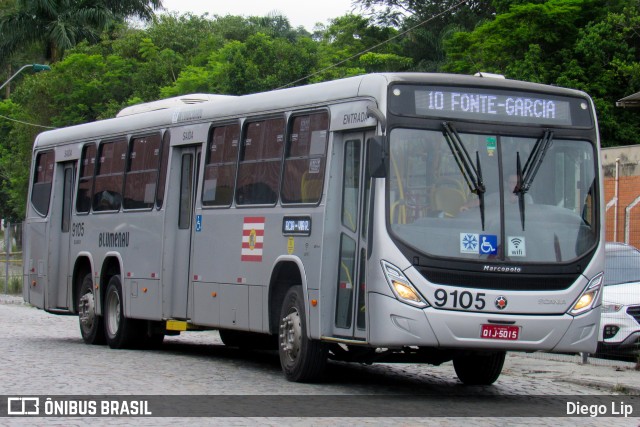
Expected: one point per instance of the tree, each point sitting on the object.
(58, 25)
(15, 156)
(584, 44)
(352, 45)
(260, 63)
(428, 23)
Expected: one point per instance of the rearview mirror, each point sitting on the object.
(377, 157)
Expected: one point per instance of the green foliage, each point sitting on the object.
(583, 44)
(381, 62)
(15, 159)
(60, 25)
(591, 45)
(344, 41)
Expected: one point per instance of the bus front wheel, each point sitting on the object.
(91, 326)
(120, 330)
(302, 359)
(481, 368)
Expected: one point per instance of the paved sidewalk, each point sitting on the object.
(609, 376)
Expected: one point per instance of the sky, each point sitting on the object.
(299, 12)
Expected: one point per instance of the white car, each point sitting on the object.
(620, 322)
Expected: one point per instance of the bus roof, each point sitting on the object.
(202, 108)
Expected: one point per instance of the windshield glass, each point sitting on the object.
(621, 265)
(524, 199)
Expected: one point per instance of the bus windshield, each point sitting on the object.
(508, 198)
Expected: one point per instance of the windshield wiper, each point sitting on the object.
(472, 174)
(531, 167)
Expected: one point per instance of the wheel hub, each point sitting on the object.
(87, 310)
(113, 313)
(291, 334)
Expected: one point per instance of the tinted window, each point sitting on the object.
(163, 169)
(142, 173)
(43, 176)
(260, 161)
(305, 160)
(220, 169)
(85, 183)
(109, 175)
(622, 265)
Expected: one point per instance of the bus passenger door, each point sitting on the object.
(58, 288)
(351, 307)
(183, 178)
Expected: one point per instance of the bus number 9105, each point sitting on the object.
(456, 299)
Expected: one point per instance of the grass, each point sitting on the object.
(15, 285)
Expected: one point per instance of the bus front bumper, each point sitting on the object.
(395, 324)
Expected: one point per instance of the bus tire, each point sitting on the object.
(91, 325)
(302, 359)
(120, 331)
(482, 368)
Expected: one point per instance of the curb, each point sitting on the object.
(12, 300)
(607, 386)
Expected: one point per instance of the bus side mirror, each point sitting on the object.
(376, 159)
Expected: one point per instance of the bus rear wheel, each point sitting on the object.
(481, 368)
(120, 331)
(302, 359)
(91, 325)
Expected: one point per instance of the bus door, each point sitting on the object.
(58, 289)
(351, 306)
(183, 178)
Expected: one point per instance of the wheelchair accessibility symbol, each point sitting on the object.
(488, 244)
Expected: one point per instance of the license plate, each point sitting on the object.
(500, 332)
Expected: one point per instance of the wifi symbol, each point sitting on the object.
(516, 242)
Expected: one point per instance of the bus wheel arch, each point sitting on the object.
(110, 267)
(120, 331)
(285, 275)
(82, 267)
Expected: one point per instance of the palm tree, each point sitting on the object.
(60, 24)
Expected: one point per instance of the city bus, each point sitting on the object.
(406, 217)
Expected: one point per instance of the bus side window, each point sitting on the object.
(305, 159)
(260, 161)
(107, 194)
(142, 173)
(164, 162)
(220, 167)
(43, 176)
(85, 183)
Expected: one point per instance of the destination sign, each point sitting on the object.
(296, 225)
(489, 105)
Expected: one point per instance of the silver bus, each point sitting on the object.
(382, 218)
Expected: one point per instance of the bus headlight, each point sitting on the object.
(401, 286)
(589, 296)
